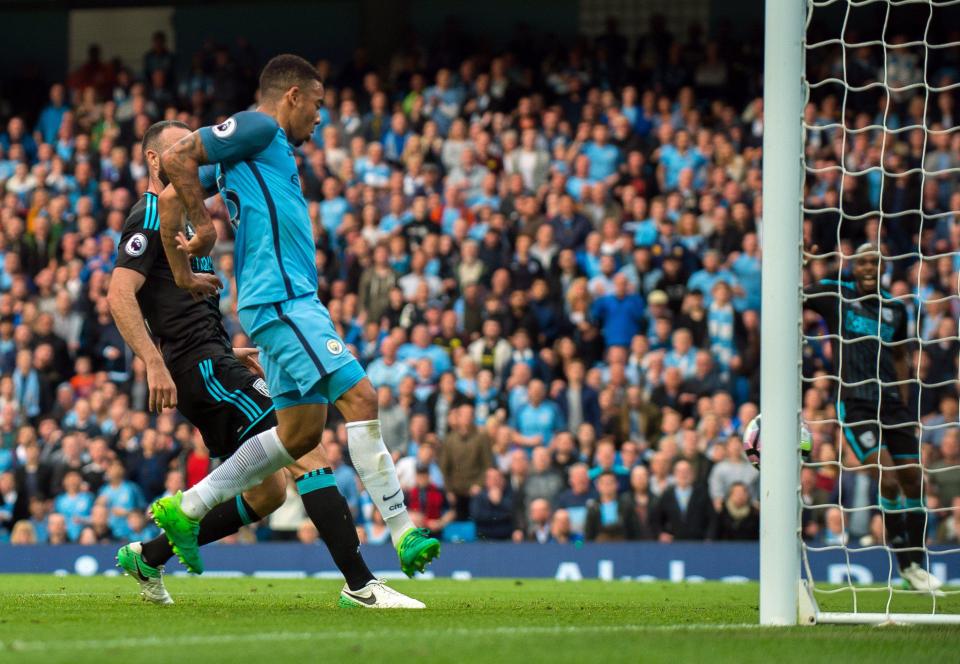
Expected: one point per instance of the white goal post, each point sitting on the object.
(786, 597)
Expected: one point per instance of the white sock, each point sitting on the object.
(375, 467)
(256, 459)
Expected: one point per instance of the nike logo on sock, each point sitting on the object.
(392, 495)
(369, 601)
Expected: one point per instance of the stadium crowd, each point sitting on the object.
(547, 260)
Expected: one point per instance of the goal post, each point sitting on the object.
(848, 146)
(780, 329)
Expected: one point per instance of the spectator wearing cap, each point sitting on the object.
(619, 315)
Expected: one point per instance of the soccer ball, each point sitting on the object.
(751, 441)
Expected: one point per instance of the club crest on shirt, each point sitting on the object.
(136, 245)
(887, 315)
(334, 347)
(225, 129)
(261, 387)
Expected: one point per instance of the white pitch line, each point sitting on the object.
(202, 639)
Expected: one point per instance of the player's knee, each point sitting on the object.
(302, 439)
(910, 482)
(359, 403)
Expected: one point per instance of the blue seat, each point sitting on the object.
(460, 531)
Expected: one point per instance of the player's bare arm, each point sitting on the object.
(178, 249)
(122, 296)
(182, 162)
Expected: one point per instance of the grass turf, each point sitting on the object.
(73, 619)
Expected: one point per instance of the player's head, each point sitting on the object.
(160, 136)
(866, 268)
(292, 86)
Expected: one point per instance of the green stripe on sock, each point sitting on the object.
(913, 503)
(242, 511)
(314, 481)
(888, 504)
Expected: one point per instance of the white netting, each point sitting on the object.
(882, 160)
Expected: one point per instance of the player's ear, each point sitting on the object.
(293, 95)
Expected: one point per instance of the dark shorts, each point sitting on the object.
(225, 401)
(865, 436)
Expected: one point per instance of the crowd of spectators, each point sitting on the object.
(547, 260)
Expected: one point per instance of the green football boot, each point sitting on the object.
(416, 550)
(130, 560)
(180, 529)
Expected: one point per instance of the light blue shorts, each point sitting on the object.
(303, 357)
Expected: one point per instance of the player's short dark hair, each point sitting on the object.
(285, 71)
(152, 135)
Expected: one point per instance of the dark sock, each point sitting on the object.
(896, 532)
(224, 519)
(330, 514)
(914, 524)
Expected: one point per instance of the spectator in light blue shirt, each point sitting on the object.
(704, 280)
(674, 158)
(420, 347)
(51, 117)
(120, 497)
(332, 208)
(604, 156)
(682, 353)
(387, 370)
(619, 315)
(74, 504)
(538, 420)
(746, 269)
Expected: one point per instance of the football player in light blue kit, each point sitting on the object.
(306, 363)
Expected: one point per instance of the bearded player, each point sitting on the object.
(218, 389)
(876, 422)
(307, 364)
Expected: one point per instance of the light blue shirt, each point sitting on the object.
(257, 176)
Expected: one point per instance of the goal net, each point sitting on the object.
(879, 498)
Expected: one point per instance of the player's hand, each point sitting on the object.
(203, 285)
(250, 357)
(162, 390)
(201, 244)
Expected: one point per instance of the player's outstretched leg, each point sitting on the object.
(374, 465)
(141, 560)
(258, 457)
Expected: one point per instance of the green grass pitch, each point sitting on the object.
(102, 619)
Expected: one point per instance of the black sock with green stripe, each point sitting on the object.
(897, 538)
(223, 520)
(331, 515)
(915, 521)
